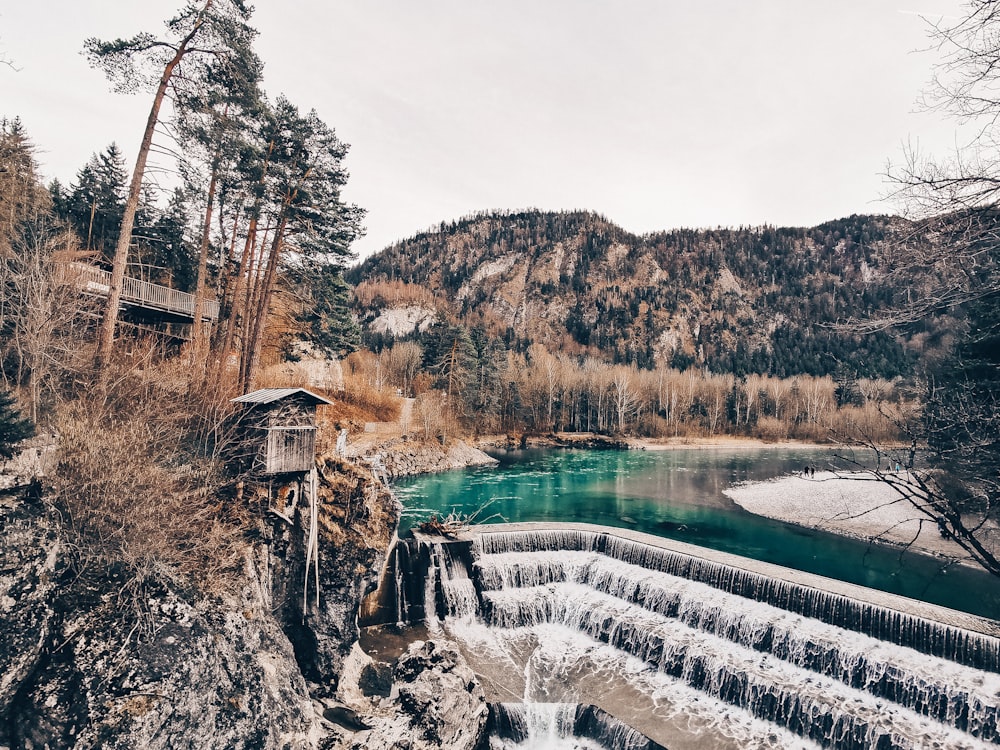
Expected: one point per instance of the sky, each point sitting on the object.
(658, 114)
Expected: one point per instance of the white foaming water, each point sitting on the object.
(716, 666)
(550, 664)
(689, 661)
(542, 726)
(914, 679)
(458, 592)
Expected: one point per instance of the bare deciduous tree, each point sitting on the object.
(951, 261)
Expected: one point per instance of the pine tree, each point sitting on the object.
(95, 203)
(327, 316)
(198, 35)
(173, 255)
(22, 197)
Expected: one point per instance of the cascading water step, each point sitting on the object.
(561, 726)
(754, 653)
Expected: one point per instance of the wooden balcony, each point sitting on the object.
(142, 294)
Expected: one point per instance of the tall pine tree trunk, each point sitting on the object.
(107, 336)
(197, 331)
(255, 344)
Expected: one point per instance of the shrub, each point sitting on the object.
(137, 490)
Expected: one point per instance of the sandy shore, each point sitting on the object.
(848, 504)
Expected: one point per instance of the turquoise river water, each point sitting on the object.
(678, 494)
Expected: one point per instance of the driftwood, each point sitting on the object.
(450, 526)
(453, 524)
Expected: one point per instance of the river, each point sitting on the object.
(677, 494)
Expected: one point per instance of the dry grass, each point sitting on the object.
(382, 405)
(136, 488)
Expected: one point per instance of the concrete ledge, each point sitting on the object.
(905, 605)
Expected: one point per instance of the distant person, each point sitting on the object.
(812, 471)
(805, 471)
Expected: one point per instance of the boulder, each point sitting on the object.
(438, 705)
(442, 695)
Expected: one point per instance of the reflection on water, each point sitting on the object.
(678, 494)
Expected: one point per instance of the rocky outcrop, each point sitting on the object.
(356, 518)
(437, 703)
(407, 457)
(165, 672)
(93, 658)
(29, 560)
(96, 656)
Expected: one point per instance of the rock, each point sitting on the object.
(439, 704)
(35, 460)
(442, 695)
(346, 717)
(166, 672)
(357, 518)
(408, 457)
(376, 680)
(29, 563)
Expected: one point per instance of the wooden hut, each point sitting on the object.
(279, 429)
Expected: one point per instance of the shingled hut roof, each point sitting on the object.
(270, 395)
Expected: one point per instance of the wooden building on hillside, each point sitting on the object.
(278, 427)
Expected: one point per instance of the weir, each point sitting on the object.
(833, 663)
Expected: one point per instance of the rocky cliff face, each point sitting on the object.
(202, 673)
(357, 517)
(88, 662)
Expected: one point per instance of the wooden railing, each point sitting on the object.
(97, 281)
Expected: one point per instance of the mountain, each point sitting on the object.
(758, 299)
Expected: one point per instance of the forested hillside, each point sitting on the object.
(750, 300)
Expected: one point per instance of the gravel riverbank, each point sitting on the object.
(851, 504)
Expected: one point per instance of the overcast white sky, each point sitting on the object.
(656, 113)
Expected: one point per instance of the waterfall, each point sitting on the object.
(557, 726)
(935, 638)
(834, 670)
(448, 589)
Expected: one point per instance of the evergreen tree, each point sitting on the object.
(172, 253)
(13, 427)
(22, 197)
(327, 317)
(95, 202)
(450, 354)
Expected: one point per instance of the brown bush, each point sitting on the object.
(377, 294)
(382, 405)
(770, 429)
